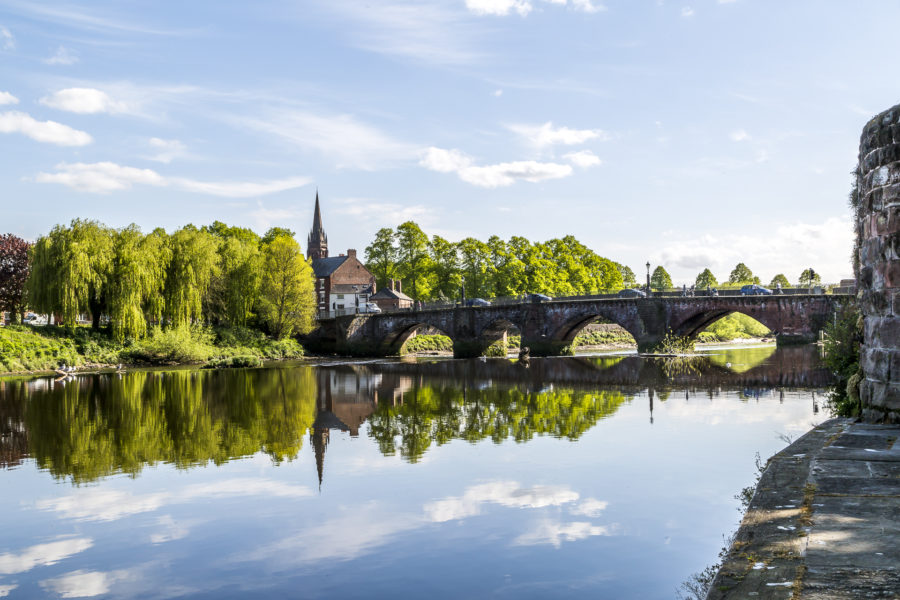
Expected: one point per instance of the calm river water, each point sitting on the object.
(586, 477)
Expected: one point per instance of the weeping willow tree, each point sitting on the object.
(287, 298)
(136, 284)
(193, 264)
(235, 291)
(71, 270)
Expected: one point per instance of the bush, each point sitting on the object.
(842, 340)
(178, 345)
(428, 343)
(735, 326)
(234, 362)
(25, 348)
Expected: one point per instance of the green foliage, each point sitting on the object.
(173, 346)
(843, 337)
(628, 278)
(381, 257)
(779, 279)
(191, 269)
(660, 279)
(742, 275)
(413, 259)
(138, 271)
(732, 327)
(809, 278)
(428, 343)
(234, 362)
(287, 299)
(705, 279)
(673, 344)
(23, 349)
(604, 337)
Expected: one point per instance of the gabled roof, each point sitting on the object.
(351, 288)
(323, 267)
(389, 293)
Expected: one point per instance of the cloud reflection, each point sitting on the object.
(504, 493)
(555, 533)
(42, 555)
(83, 584)
(112, 505)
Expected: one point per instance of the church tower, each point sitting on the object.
(317, 242)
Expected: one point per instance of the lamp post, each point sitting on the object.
(648, 278)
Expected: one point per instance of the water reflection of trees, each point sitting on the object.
(98, 426)
(427, 414)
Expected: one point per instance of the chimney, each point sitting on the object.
(351, 253)
(399, 286)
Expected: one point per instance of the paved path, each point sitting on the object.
(824, 522)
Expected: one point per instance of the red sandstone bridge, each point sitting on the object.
(549, 328)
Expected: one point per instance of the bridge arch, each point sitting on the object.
(693, 325)
(393, 341)
(569, 330)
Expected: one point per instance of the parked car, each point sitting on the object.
(755, 290)
(369, 307)
(632, 293)
(477, 302)
(538, 298)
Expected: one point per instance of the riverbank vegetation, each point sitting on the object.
(158, 298)
(28, 348)
(843, 337)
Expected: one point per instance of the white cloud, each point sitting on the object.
(6, 589)
(739, 135)
(63, 56)
(167, 150)
(499, 7)
(547, 135)
(84, 101)
(498, 93)
(49, 132)
(583, 159)
(555, 533)
(7, 98)
(491, 176)
(379, 213)
(687, 11)
(589, 507)
(587, 6)
(6, 39)
(105, 177)
(504, 493)
(350, 143)
(42, 555)
(785, 248)
(83, 584)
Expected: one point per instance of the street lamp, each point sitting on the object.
(648, 277)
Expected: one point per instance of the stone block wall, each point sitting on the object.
(879, 266)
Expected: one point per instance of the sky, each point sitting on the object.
(689, 134)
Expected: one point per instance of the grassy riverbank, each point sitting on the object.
(25, 348)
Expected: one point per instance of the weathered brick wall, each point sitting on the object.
(879, 265)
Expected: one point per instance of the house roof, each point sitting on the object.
(389, 293)
(323, 267)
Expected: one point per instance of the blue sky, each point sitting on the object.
(691, 134)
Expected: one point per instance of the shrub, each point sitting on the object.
(174, 346)
(234, 362)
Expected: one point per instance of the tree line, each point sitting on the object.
(213, 275)
(437, 269)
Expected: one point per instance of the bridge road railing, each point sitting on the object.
(605, 295)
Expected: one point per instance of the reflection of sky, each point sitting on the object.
(629, 510)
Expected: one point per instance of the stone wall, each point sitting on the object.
(879, 266)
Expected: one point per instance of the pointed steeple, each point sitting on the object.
(317, 242)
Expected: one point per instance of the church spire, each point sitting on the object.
(317, 242)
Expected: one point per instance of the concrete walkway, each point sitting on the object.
(824, 522)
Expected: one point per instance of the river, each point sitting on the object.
(605, 476)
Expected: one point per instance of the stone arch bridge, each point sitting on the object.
(549, 328)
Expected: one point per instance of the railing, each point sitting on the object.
(605, 295)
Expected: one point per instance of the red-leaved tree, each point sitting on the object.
(13, 273)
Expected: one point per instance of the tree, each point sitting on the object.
(742, 274)
(287, 297)
(70, 271)
(779, 279)
(273, 233)
(235, 291)
(137, 274)
(193, 264)
(706, 279)
(809, 278)
(660, 279)
(628, 278)
(13, 274)
(474, 261)
(412, 258)
(444, 268)
(381, 256)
